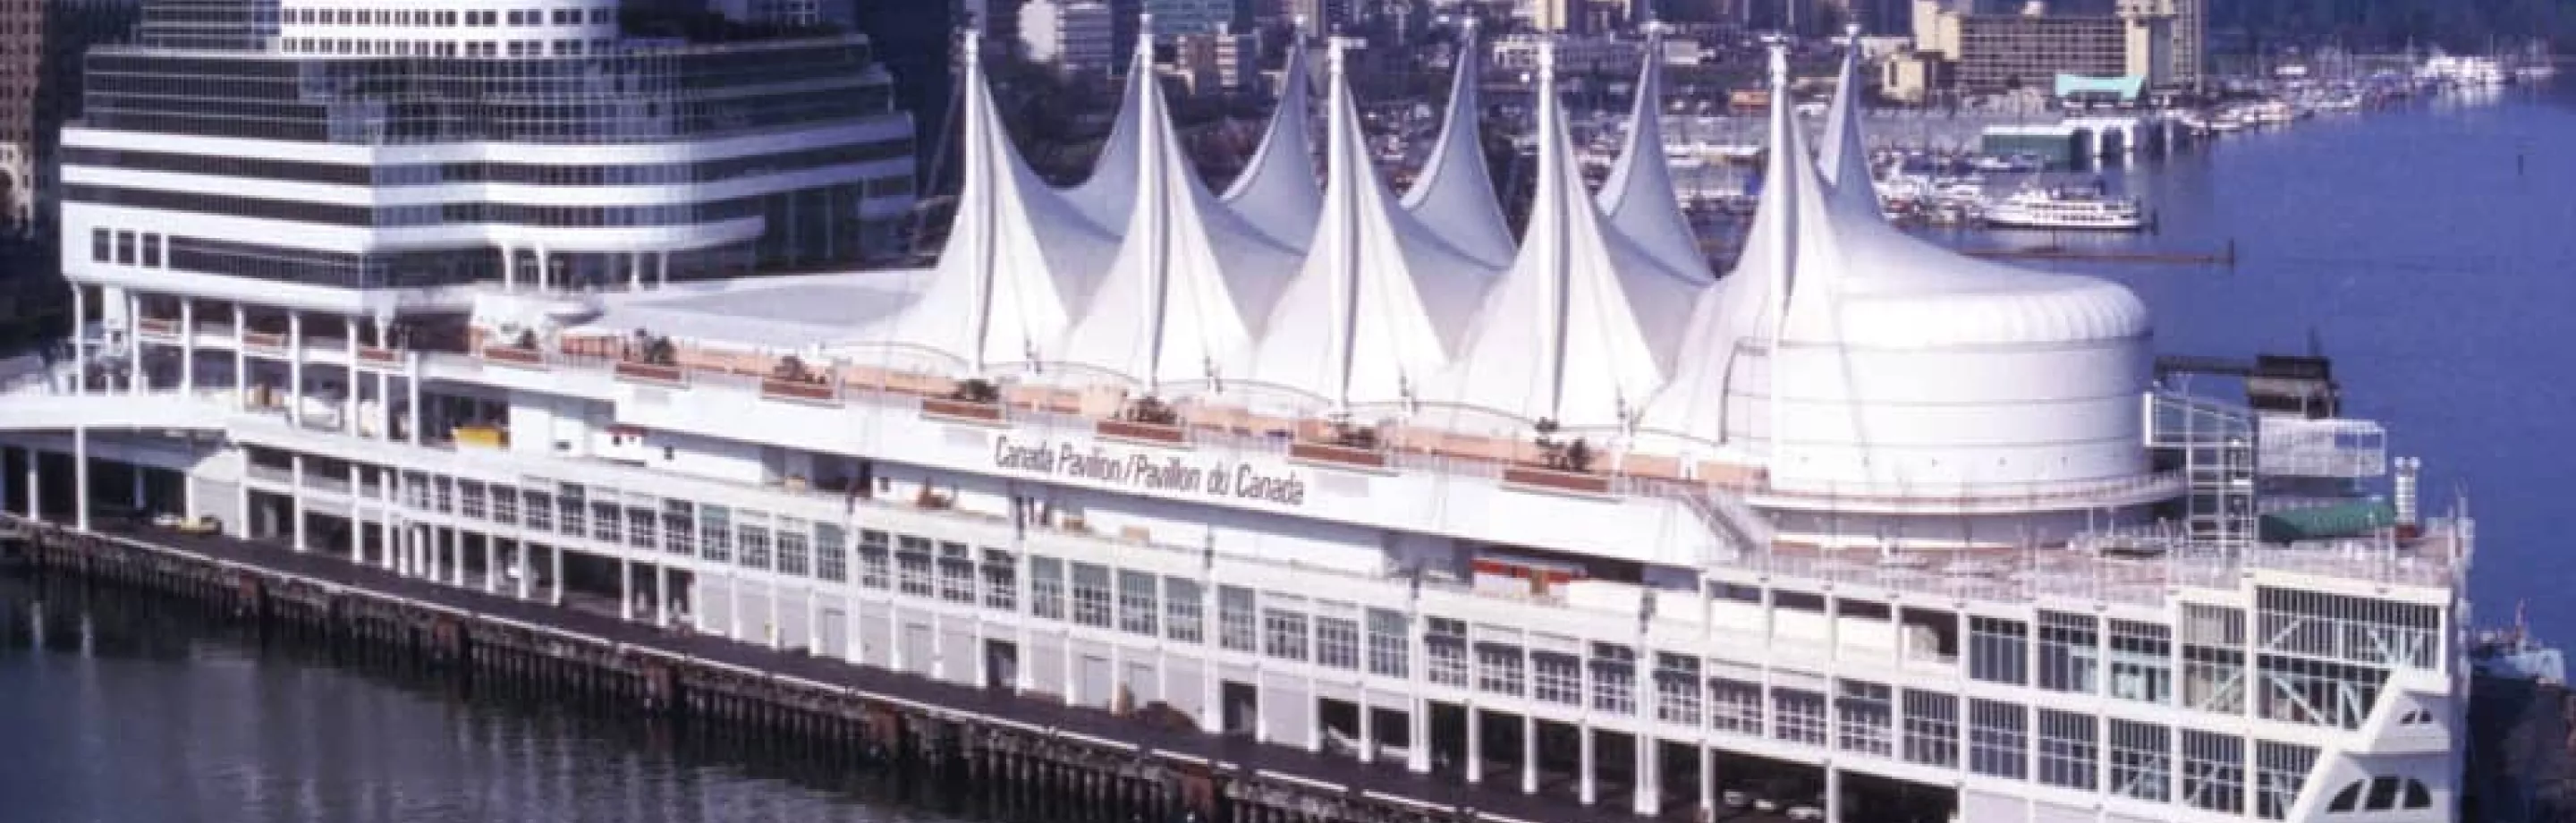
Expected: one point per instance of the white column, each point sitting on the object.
(295, 367)
(187, 345)
(349, 404)
(295, 498)
(733, 617)
(35, 485)
(1368, 729)
(80, 477)
(1707, 780)
(1834, 793)
(509, 269)
(1648, 796)
(412, 385)
(136, 381)
(520, 561)
(662, 268)
(492, 563)
(456, 556)
(140, 499)
(80, 346)
(634, 271)
(555, 554)
(625, 588)
(662, 596)
(241, 362)
(545, 270)
(1417, 724)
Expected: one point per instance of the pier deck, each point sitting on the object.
(1326, 775)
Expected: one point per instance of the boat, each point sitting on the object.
(2087, 208)
(2512, 654)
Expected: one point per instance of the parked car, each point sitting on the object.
(201, 524)
(1736, 799)
(1805, 813)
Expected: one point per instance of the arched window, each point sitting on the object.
(2417, 795)
(2348, 799)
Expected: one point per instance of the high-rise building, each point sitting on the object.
(40, 46)
(1993, 52)
(419, 148)
(1071, 35)
(1175, 18)
(1324, 16)
(2190, 28)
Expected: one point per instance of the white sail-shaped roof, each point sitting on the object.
(1190, 282)
(1841, 156)
(1455, 193)
(1019, 262)
(1381, 304)
(1105, 196)
(1582, 326)
(1638, 194)
(1277, 192)
(1718, 388)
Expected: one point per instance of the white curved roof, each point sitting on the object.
(1841, 156)
(1380, 303)
(1277, 192)
(1105, 196)
(1583, 326)
(1638, 194)
(1454, 195)
(1020, 261)
(1190, 283)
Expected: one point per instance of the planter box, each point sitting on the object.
(515, 356)
(383, 356)
(650, 373)
(1557, 480)
(1332, 453)
(961, 410)
(1150, 432)
(264, 340)
(796, 390)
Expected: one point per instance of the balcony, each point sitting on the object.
(514, 356)
(798, 391)
(657, 374)
(1556, 480)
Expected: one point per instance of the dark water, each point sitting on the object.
(2432, 250)
(119, 707)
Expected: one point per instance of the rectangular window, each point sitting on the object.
(1735, 706)
(1283, 629)
(2141, 761)
(2317, 692)
(2279, 770)
(1556, 677)
(98, 245)
(1444, 644)
(152, 250)
(2213, 771)
(1237, 628)
(754, 544)
(2363, 630)
(1677, 688)
(1139, 611)
(1388, 654)
(715, 534)
(1998, 650)
(956, 573)
(2213, 658)
(2069, 652)
(2141, 661)
(1498, 668)
(1998, 739)
(795, 547)
(2068, 755)
(1184, 611)
(1614, 678)
(1798, 716)
(1091, 600)
(572, 510)
(125, 248)
(642, 528)
(1337, 642)
(540, 509)
(469, 499)
(1864, 713)
(832, 553)
(912, 565)
(876, 559)
(605, 519)
(1046, 587)
(1931, 728)
(679, 527)
(505, 505)
(1001, 580)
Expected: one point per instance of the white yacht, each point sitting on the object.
(1866, 528)
(2066, 208)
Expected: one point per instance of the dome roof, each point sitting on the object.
(1898, 291)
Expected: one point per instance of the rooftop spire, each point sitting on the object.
(1455, 194)
(1110, 191)
(1379, 303)
(1579, 328)
(1018, 258)
(1277, 192)
(1843, 156)
(1638, 194)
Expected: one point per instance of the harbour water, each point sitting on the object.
(2431, 249)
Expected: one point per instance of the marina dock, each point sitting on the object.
(1110, 766)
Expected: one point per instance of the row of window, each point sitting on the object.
(491, 171)
(125, 248)
(446, 17)
(445, 48)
